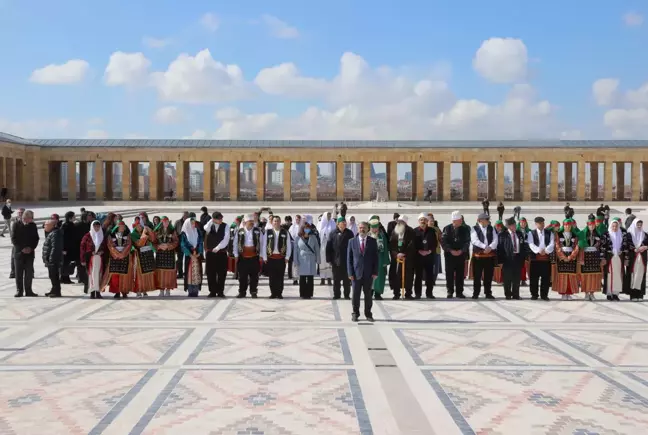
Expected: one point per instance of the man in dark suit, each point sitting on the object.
(512, 248)
(391, 225)
(362, 265)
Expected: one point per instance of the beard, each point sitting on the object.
(372, 234)
(400, 229)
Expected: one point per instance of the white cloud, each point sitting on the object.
(72, 71)
(628, 118)
(633, 19)
(96, 134)
(638, 97)
(362, 102)
(127, 69)
(198, 134)
(135, 136)
(605, 91)
(168, 115)
(279, 29)
(155, 42)
(200, 79)
(210, 22)
(35, 128)
(502, 60)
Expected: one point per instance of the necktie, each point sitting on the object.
(362, 246)
(514, 243)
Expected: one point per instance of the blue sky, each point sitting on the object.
(394, 48)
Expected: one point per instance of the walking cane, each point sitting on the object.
(401, 261)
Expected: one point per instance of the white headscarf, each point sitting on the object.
(354, 227)
(617, 238)
(636, 233)
(97, 236)
(325, 226)
(191, 232)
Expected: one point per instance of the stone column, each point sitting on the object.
(10, 175)
(135, 181)
(20, 186)
(634, 180)
(83, 181)
(155, 193)
(72, 182)
(542, 181)
(234, 180)
(2, 171)
(620, 181)
(607, 182)
(339, 179)
(392, 180)
(185, 180)
(261, 180)
(594, 181)
(517, 182)
(446, 180)
(126, 180)
(161, 176)
(418, 177)
(568, 180)
(287, 181)
(580, 182)
(554, 181)
(208, 180)
(99, 180)
(180, 180)
(494, 177)
(644, 170)
(499, 193)
(366, 180)
(313, 180)
(469, 176)
(108, 195)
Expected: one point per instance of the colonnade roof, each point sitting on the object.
(199, 143)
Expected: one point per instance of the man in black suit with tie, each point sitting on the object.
(512, 248)
(362, 266)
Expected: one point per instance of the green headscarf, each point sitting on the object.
(159, 226)
(519, 228)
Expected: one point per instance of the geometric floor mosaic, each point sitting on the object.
(259, 366)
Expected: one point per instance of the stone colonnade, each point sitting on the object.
(471, 174)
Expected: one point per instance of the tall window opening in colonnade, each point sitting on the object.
(540, 181)
(431, 182)
(378, 180)
(221, 181)
(457, 181)
(300, 181)
(486, 180)
(326, 181)
(248, 180)
(621, 185)
(196, 178)
(567, 181)
(273, 178)
(405, 180)
(140, 189)
(594, 185)
(353, 181)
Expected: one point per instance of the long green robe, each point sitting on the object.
(383, 262)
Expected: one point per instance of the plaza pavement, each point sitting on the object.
(243, 366)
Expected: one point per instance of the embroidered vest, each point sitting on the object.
(480, 236)
(281, 246)
(256, 236)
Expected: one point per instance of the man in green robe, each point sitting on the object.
(383, 258)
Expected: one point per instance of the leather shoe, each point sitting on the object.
(18, 295)
(490, 297)
(370, 318)
(31, 295)
(354, 317)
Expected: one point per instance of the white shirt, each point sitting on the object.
(541, 244)
(248, 241)
(275, 248)
(476, 242)
(223, 244)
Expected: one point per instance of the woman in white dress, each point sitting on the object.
(325, 229)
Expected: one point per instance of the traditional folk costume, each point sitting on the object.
(566, 282)
(231, 259)
(93, 256)
(278, 250)
(217, 237)
(192, 246)
(143, 258)
(401, 270)
(383, 257)
(119, 276)
(637, 241)
(325, 228)
(294, 233)
(554, 226)
(166, 243)
(483, 263)
(497, 272)
(540, 265)
(248, 245)
(523, 226)
(616, 248)
(592, 252)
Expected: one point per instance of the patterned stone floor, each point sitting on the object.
(294, 367)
